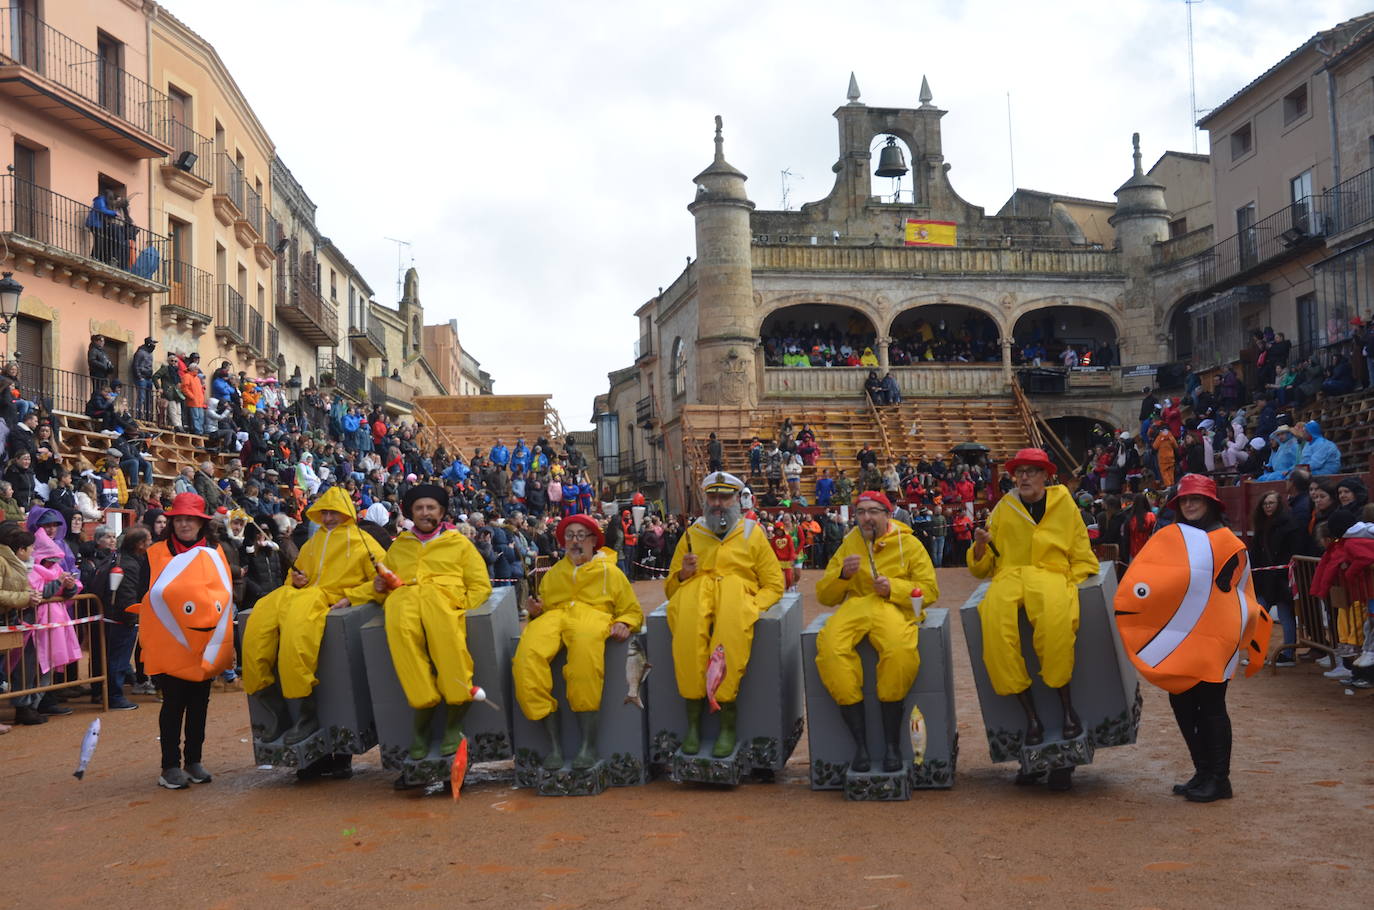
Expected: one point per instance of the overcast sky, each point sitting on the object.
(539, 156)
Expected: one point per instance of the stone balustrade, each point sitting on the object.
(939, 260)
(933, 380)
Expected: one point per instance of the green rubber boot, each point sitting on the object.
(419, 746)
(691, 743)
(725, 740)
(271, 699)
(453, 728)
(586, 755)
(554, 760)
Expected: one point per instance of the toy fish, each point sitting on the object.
(87, 748)
(1186, 609)
(637, 669)
(918, 736)
(715, 672)
(459, 769)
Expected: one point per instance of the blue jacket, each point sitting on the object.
(521, 456)
(825, 488)
(351, 422)
(457, 472)
(1321, 454)
(500, 455)
(222, 390)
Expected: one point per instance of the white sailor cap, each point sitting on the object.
(722, 482)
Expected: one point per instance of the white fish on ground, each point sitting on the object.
(87, 748)
(637, 669)
(918, 736)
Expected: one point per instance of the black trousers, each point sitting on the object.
(183, 702)
(1205, 725)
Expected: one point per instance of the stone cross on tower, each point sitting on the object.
(720, 141)
(1135, 144)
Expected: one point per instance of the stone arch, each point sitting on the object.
(992, 310)
(677, 366)
(1177, 327)
(1111, 312)
(866, 307)
(970, 333)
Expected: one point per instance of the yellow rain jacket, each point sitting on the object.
(581, 603)
(282, 637)
(737, 578)
(1039, 568)
(426, 630)
(890, 623)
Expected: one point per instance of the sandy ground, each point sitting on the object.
(1294, 836)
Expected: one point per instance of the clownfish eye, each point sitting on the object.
(219, 607)
(188, 608)
(1141, 590)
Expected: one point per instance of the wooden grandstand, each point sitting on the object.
(463, 423)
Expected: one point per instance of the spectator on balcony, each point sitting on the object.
(892, 394)
(222, 385)
(142, 369)
(1340, 378)
(193, 388)
(102, 408)
(98, 363)
(873, 388)
(100, 221)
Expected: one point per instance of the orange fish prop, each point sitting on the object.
(187, 617)
(1186, 609)
(459, 770)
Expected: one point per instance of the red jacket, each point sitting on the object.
(1346, 563)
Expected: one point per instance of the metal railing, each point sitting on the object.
(272, 231)
(184, 139)
(371, 333)
(35, 212)
(230, 318)
(1287, 231)
(253, 212)
(384, 389)
(66, 390)
(229, 180)
(1352, 202)
(306, 299)
(347, 378)
(256, 337)
(644, 409)
(190, 290)
(30, 42)
(273, 343)
(644, 347)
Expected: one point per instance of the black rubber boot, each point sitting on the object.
(892, 735)
(691, 743)
(1216, 738)
(307, 724)
(725, 739)
(271, 700)
(554, 760)
(419, 746)
(586, 754)
(854, 719)
(453, 728)
(1073, 727)
(1035, 730)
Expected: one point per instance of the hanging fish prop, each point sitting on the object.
(88, 743)
(918, 736)
(637, 669)
(459, 769)
(715, 672)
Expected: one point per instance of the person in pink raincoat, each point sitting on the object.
(54, 648)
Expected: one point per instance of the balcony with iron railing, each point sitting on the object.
(231, 318)
(248, 226)
(340, 374)
(392, 394)
(644, 348)
(1269, 242)
(229, 204)
(273, 343)
(367, 340)
(255, 339)
(190, 167)
(104, 254)
(302, 308)
(46, 70)
(1351, 206)
(644, 410)
(191, 294)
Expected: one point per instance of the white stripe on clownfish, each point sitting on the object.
(1190, 609)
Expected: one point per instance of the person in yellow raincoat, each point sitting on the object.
(1036, 549)
(441, 576)
(281, 643)
(872, 578)
(584, 600)
(723, 575)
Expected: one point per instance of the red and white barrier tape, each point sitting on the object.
(38, 626)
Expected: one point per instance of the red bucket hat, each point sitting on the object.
(189, 504)
(1196, 485)
(1031, 458)
(874, 496)
(587, 522)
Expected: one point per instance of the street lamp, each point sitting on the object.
(9, 300)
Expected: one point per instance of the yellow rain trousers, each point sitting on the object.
(425, 624)
(282, 637)
(581, 603)
(737, 578)
(1039, 570)
(890, 623)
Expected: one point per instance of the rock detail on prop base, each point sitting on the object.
(662, 748)
(935, 773)
(323, 742)
(1005, 745)
(620, 770)
(432, 769)
(826, 775)
(1120, 730)
(1064, 753)
(704, 768)
(570, 781)
(877, 786)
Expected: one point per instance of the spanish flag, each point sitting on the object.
(931, 233)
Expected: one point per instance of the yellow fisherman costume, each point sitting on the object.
(1037, 566)
(282, 637)
(889, 622)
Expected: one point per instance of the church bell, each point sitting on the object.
(891, 161)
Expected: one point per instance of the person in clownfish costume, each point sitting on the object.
(187, 632)
(1187, 613)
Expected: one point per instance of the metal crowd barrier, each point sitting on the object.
(19, 661)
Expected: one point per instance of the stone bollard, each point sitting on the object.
(770, 704)
(831, 745)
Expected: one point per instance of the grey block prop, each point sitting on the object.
(1105, 687)
(770, 704)
(622, 736)
(490, 629)
(831, 747)
(342, 697)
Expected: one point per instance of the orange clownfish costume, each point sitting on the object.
(1186, 609)
(187, 617)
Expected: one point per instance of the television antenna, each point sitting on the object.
(1192, 79)
(786, 188)
(400, 265)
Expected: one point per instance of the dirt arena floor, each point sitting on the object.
(1294, 836)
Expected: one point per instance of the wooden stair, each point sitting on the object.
(83, 446)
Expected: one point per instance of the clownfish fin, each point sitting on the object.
(1226, 577)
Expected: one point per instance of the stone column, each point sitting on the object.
(1006, 360)
(883, 343)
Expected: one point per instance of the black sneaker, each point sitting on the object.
(28, 717)
(54, 710)
(123, 705)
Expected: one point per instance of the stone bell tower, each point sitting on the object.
(1141, 220)
(726, 337)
